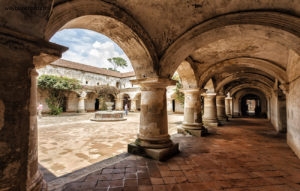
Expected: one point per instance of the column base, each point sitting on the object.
(200, 132)
(210, 123)
(157, 154)
(222, 120)
(38, 183)
(228, 116)
(191, 125)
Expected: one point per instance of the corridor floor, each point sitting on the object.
(244, 154)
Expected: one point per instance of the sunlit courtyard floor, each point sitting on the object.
(72, 141)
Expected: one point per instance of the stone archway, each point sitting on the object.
(126, 101)
(117, 25)
(250, 106)
(257, 24)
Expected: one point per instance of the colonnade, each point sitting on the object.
(81, 108)
(207, 109)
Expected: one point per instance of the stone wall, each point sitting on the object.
(293, 103)
(87, 78)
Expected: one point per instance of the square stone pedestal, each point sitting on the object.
(157, 154)
(211, 124)
(194, 132)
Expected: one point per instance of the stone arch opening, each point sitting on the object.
(121, 28)
(97, 104)
(126, 101)
(137, 100)
(250, 105)
(259, 102)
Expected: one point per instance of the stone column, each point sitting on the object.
(81, 104)
(119, 103)
(133, 105)
(220, 103)
(228, 106)
(33, 170)
(210, 110)
(18, 123)
(192, 122)
(153, 138)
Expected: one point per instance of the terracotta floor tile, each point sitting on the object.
(155, 181)
(244, 155)
(145, 188)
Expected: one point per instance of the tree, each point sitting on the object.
(56, 87)
(179, 95)
(117, 62)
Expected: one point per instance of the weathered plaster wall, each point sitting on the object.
(293, 103)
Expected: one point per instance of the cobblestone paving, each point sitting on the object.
(244, 155)
(71, 141)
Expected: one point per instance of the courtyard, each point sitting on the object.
(71, 141)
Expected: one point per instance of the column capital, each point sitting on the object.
(210, 94)
(284, 88)
(193, 91)
(154, 82)
(19, 41)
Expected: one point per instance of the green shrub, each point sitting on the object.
(56, 87)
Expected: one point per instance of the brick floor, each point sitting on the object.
(244, 155)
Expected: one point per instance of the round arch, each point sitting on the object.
(263, 65)
(254, 86)
(187, 75)
(113, 22)
(281, 28)
(244, 76)
(263, 101)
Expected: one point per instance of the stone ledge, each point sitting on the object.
(157, 154)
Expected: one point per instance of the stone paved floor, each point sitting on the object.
(244, 155)
(70, 145)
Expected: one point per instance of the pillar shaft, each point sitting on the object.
(210, 110)
(133, 105)
(35, 182)
(153, 137)
(18, 123)
(81, 104)
(153, 131)
(119, 103)
(192, 112)
(220, 103)
(228, 106)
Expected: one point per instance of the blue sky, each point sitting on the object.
(89, 47)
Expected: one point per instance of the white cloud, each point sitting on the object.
(90, 48)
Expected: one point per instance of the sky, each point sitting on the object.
(90, 48)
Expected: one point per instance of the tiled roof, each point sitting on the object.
(92, 69)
